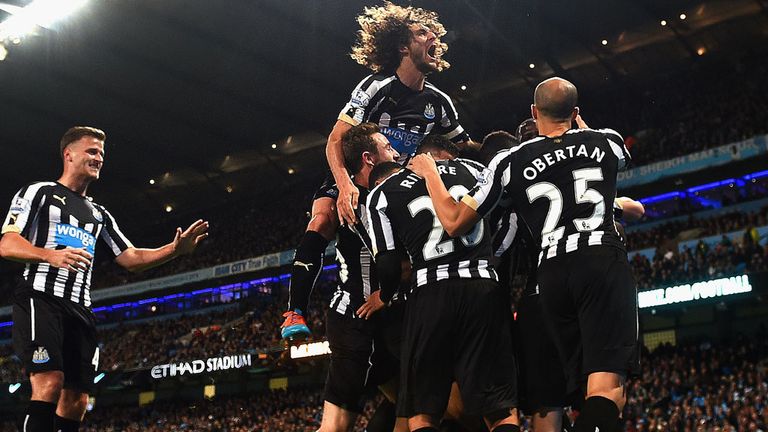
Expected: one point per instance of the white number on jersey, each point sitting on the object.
(433, 248)
(550, 232)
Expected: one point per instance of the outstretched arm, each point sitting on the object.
(457, 218)
(185, 242)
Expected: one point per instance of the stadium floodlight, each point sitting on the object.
(40, 13)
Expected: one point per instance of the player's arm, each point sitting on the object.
(457, 218)
(389, 271)
(139, 259)
(631, 210)
(348, 192)
(14, 247)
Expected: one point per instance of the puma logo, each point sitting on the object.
(301, 264)
(62, 199)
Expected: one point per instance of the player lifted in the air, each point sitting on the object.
(401, 46)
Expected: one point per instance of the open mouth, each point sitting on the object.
(431, 51)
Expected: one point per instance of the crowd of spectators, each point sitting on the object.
(672, 116)
(702, 387)
(726, 258)
(294, 410)
(661, 235)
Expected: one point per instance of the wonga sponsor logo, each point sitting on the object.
(72, 236)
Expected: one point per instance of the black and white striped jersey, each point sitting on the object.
(51, 216)
(356, 272)
(562, 187)
(400, 211)
(404, 116)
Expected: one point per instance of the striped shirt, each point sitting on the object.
(51, 216)
(356, 272)
(401, 215)
(405, 116)
(562, 187)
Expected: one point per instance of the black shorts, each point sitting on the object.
(363, 356)
(48, 337)
(541, 382)
(328, 189)
(457, 330)
(590, 305)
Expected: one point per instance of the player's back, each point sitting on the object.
(402, 213)
(564, 187)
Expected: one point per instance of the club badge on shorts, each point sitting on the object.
(40, 356)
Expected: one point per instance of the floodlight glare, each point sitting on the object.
(39, 13)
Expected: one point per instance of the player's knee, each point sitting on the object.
(324, 223)
(47, 386)
(500, 417)
(73, 404)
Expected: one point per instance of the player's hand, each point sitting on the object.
(580, 122)
(347, 203)
(422, 165)
(371, 306)
(185, 242)
(69, 259)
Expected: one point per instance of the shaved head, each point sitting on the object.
(556, 98)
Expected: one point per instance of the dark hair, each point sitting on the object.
(382, 171)
(493, 143)
(384, 29)
(527, 130)
(355, 142)
(75, 133)
(437, 142)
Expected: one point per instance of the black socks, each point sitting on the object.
(66, 425)
(598, 413)
(307, 266)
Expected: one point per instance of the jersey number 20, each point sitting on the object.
(434, 248)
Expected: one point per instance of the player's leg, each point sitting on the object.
(426, 361)
(610, 351)
(351, 344)
(485, 366)
(81, 363)
(308, 262)
(37, 341)
(336, 418)
(70, 410)
(541, 384)
(548, 420)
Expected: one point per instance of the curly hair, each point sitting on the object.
(384, 29)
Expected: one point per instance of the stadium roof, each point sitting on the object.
(194, 94)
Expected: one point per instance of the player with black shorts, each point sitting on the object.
(541, 381)
(53, 228)
(363, 352)
(401, 46)
(563, 184)
(454, 326)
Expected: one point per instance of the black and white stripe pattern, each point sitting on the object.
(562, 187)
(469, 269)
(47, 214)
